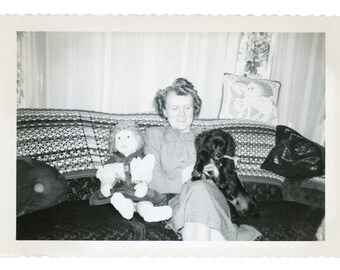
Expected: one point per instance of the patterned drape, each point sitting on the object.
(255, 54)
(297, 61)
(20, 73)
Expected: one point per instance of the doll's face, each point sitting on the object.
(126, 142)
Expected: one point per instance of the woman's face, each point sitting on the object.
(180, 111)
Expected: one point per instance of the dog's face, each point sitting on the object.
(219, 144)
(216, 147)
(243, 204)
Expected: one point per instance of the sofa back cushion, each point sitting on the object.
(75, 142)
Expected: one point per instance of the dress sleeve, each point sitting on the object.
(163, 181)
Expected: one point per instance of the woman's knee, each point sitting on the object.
(200, 187)
(200, 232)
(206, 194)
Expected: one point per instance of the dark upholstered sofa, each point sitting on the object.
(73, 143)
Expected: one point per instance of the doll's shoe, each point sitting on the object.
(156, 214)
(124, 206)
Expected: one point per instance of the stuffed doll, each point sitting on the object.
(125, 177)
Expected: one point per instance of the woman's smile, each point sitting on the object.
(179, 111)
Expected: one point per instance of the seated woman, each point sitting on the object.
(200, 211)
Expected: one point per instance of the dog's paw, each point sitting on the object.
(196, 175)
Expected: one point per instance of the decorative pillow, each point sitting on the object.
(39, 186)
(294, 155)
(249, 99)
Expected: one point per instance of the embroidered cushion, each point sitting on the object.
(294, 155)
(249, 99)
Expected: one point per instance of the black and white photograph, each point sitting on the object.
(173, 137)
(79, 94)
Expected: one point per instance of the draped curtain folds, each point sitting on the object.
(120, 72)
(299, 64)
(297, 60)
(255, 54)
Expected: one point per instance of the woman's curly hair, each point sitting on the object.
(181, 87)
(124, 125)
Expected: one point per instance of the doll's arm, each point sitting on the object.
(107, 176)
(142, 169)
(141, 172)
(147, 166)
(141, 189)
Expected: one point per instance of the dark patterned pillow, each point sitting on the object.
(39, 186)
(294, 155)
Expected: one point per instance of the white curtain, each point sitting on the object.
(120, 72)
(299, 64)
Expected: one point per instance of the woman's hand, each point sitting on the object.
(205, 173)
(186, 173)
(208, 168)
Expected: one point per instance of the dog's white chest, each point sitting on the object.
(215, 171)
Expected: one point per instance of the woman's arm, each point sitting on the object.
(162, 181)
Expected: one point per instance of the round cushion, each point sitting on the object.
(39, 186)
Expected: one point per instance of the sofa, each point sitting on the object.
(62, 149)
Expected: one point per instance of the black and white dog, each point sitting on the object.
(217, 147)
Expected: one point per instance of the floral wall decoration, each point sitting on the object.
(255, 54)
(20, 73)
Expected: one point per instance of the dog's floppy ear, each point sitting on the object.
(230, 166)
(200, 140)
(231, 146)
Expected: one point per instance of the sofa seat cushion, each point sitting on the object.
(76, 220)
(298, 190)
(285, 221)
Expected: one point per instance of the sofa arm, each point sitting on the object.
(314, 183)
(310, 191)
